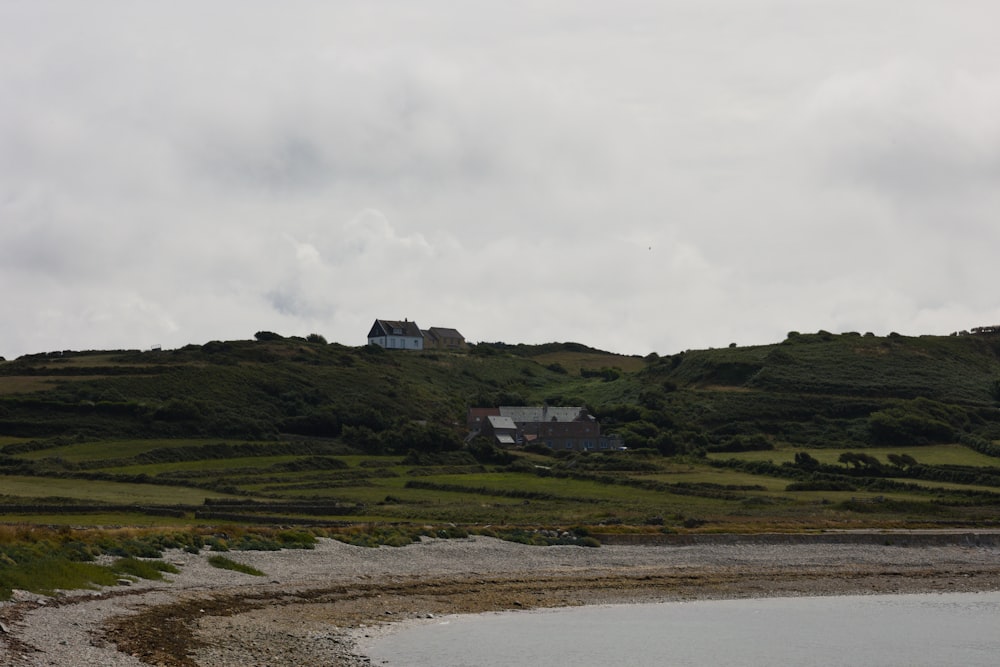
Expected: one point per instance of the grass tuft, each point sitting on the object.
(143, 569)
(224, 563)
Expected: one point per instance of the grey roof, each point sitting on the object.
(505, 439)
(528, 415)
(501, 422)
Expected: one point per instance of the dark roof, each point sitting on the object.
(443, 332)
(390, 327)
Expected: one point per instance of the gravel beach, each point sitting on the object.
(311, 605)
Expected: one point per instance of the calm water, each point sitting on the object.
(905, 630)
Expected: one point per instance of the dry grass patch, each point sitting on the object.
(25, 384)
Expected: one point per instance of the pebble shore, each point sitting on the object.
(312, 606)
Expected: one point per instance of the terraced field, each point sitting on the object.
(817, 431)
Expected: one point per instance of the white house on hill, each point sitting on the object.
(396, 335)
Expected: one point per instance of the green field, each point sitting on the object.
(704, 494)
(108, 449)
(32, 489)
(820, 430)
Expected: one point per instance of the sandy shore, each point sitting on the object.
(306, 607)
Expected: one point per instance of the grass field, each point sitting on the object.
(660, 493)
(111, 449)
(574, 361)
(297, 422)
(14, 384)
(33, 489)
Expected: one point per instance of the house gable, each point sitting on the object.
(477, 416)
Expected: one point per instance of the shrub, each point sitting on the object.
(415, 458)
(806, 461)
(373, 536)
(217, 543)
(607, 374)
(363, 438)
(744, 443)
(521, 465)
(485, 451)
(901, 460)
(621, 413)
(415, 436)
(373, 350)
(296, 539)
(224, 563)
(917, 422)
(859, 460)
(143, 569)
(178, 409)
(821, 485)
(317, 424)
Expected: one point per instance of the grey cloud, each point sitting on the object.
(653, 176)
(910, 129)
(290, 300)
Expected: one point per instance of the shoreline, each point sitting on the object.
(313, 605)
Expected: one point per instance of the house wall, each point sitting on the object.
(578, 435)
(489, 431)
(451, 343)
(435, 340)
(397, 342)
(477, 416)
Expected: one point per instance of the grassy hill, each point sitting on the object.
(820, 430)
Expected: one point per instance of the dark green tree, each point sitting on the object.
(805, 461)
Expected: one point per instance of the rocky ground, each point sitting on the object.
(311, 605)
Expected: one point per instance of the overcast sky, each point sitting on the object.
(638, 176)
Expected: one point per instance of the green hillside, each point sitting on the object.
(820, 430)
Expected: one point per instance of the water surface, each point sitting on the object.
(886, 630)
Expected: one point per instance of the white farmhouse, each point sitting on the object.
(396, 335)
